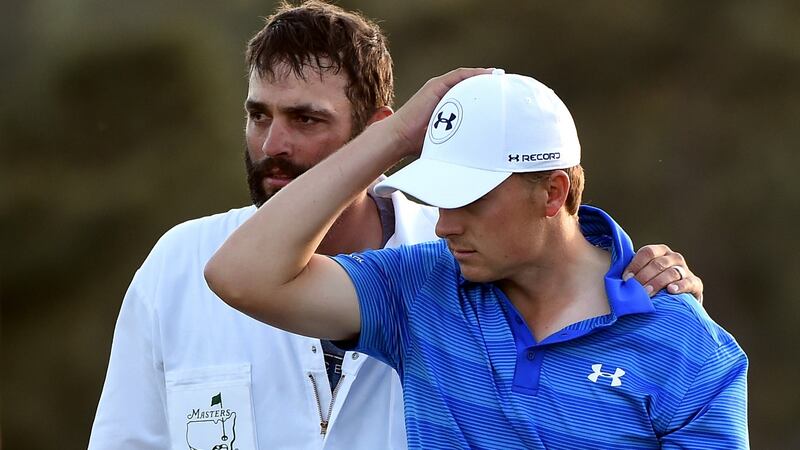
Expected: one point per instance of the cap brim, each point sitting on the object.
(442, 184)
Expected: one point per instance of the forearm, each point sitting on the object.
(277, 243)
(267, 268)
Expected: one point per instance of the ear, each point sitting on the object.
(557, 192)
(380, 114)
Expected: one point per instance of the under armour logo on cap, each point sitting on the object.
(449, 121)
(597, 372)
(445, 121)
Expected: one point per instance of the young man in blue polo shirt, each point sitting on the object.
(517, 329)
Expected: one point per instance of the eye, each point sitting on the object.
(256, 116)
(307, 120)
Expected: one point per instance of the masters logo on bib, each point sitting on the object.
(213, 429)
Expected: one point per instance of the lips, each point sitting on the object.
(277, 181)
(278, 178)
(277, 173)
(267, 176)
(461, 252)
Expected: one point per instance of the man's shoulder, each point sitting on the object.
(430, 213)
(410, 265)
(175, 263)
(192, 242)
(204, 230)
(216, 223)
(414, 222)
(422, 254)
(433, 250)
(675, 344)
(683, 323)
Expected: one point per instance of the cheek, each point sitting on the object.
(320, 149)
(254, 142)
(498, 244)
(511, 252)
(515, 243)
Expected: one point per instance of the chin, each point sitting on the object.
(477, 275)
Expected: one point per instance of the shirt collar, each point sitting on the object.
(624, 297)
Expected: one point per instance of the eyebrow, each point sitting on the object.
(301, 109)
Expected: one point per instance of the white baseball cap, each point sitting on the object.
(483, 130)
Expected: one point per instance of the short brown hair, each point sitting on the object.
(576, 182)
(327, 38)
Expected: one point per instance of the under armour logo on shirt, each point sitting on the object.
(597, 372)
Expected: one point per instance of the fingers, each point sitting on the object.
(444, 82)
(661, 280)
(413, 117)
(689, 285)
(653, 261)
(654, 267)
(643, 257)
(434, 89)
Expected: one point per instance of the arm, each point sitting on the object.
(293, 288)
(654, 267)
(131, 413)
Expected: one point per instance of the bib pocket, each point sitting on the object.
(211, 408)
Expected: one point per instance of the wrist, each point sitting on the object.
(391, 141)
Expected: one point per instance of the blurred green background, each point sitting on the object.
(119, 119)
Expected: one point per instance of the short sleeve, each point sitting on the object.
(387, 282)
(713, 413)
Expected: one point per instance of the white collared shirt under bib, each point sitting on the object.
(189, 372)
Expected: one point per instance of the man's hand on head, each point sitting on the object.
(411, 120)
(657, 267)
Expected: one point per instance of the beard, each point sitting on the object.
(258, 170)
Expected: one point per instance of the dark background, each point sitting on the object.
(119, 119)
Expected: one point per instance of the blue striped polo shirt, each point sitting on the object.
(653, 373)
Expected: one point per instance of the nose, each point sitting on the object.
(449, 223)
(276, 142)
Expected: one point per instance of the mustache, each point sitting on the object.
(276, 165)
(269, 166)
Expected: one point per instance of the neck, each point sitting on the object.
(565, 283)
(358, 228)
